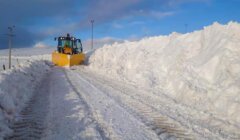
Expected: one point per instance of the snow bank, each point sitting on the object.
(16, 61)
(28, 51)
(16, 87)
(199, 69)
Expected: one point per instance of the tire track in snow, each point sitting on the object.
(116, 119)
(203, 133)
(30, 123)
(150, 116)
(99, 128)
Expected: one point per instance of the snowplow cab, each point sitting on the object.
(69, 51)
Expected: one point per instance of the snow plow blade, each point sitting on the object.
(66, 60)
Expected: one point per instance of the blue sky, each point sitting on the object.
(42, 20)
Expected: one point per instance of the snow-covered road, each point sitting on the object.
(160, 113)
(68, 116)
(79, 104)
(116, 121)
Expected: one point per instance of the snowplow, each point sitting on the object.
(69, 52)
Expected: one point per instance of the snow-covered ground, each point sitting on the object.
(16, 87)
(181, 86)
(21, 56)
(27, 51)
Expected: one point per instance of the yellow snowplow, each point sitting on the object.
(69, 52)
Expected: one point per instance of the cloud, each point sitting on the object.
(178, 2)
(153, 14)
(100, 42)
(117, 25)
(159, 15)
(26, 13)
(36, 20)
(109, 9)
(40, 45)
(103, 11)
(22, 38)
(137, 23)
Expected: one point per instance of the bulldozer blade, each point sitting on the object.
(66, 60)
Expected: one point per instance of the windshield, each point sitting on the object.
(79, 45)
(67, 43)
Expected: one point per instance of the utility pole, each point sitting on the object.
(10, 35)
(92, 21)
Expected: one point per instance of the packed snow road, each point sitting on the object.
(129, 117)
(78, 104)
(68, 108)
(56, 112)
(159, 113)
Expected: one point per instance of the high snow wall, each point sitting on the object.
(16, 87)
(199, 69)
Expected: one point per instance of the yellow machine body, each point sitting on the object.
(67, 50)
(67, 60)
